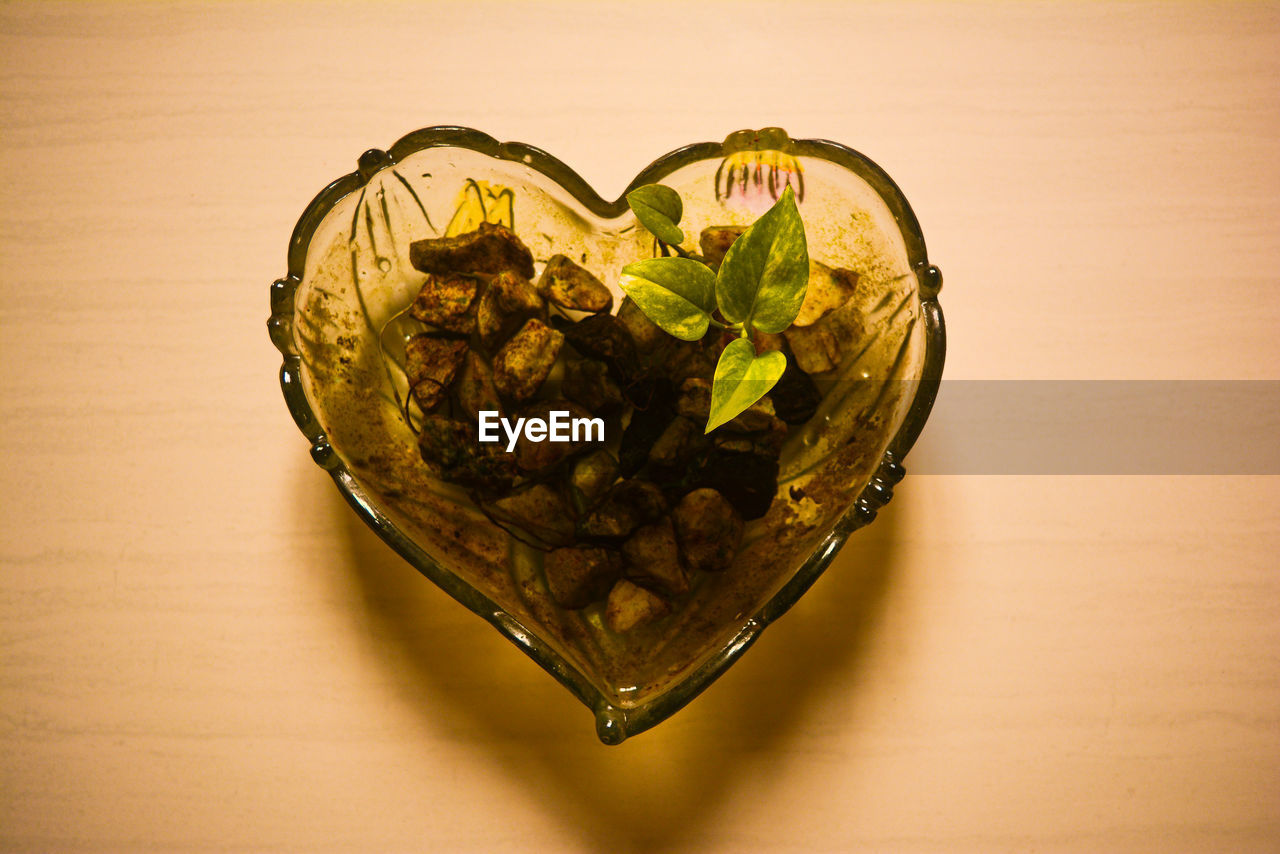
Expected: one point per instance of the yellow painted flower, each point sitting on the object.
(759, 166)
(479, 202)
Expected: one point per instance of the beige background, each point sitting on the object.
(202, 648)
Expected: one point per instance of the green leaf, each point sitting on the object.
(659, 209)
(678, 294)
(741, 379)
(764, 274)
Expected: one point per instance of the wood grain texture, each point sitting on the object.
(201, 648)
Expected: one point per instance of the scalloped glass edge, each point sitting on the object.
(613, 723)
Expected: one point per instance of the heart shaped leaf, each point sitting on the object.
(659, 209)
(678, 294)
(765, 273)
(741, 379)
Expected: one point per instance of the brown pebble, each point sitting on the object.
(576, 577)
(475, 389)
(630, 605)
(503, 308)
(570, 286)
(523, 363)
(627, 505)
(653, 558)
(447, 302)
(430, 365)
(708, 530)
(489, 249)
(588, 382)
(539, 511)
(715, 241)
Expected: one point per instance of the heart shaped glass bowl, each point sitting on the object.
(336, 319)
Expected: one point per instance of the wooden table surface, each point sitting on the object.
(202, 648)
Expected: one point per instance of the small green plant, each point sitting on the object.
(760, 285)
